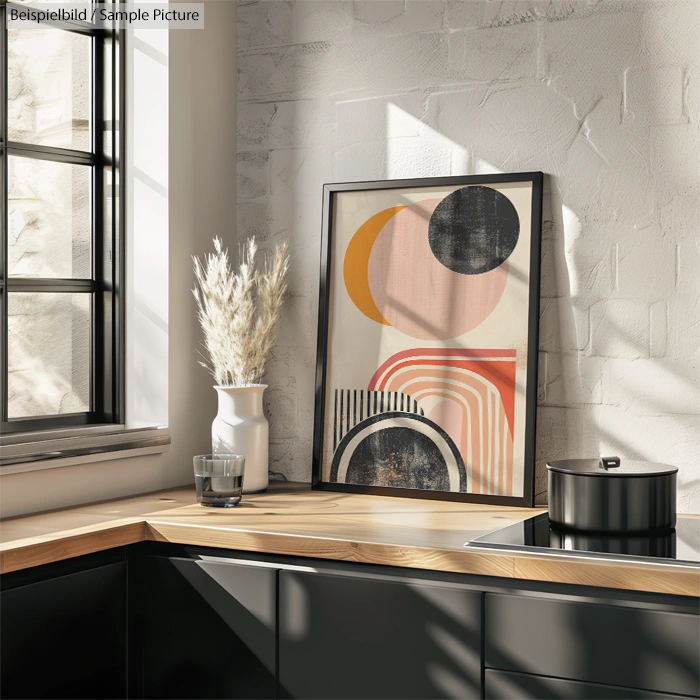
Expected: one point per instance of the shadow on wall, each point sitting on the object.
(601, 97)
(619, 355)
(598, 324)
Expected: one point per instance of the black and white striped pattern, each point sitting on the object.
(352, 406)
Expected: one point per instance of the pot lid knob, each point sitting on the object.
(609, 462)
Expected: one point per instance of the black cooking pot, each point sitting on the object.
(606, 495)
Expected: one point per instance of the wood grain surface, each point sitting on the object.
(290, 519)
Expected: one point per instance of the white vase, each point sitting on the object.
(240, 427)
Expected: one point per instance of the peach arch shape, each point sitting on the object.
(483, 402)
(486, 442)
(459, 360)
(356, 263)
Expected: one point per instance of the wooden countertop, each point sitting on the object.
(290, 519)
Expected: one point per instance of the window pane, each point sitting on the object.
(49, 223)
(48, 353)
(49, 88)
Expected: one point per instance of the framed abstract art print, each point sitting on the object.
(426, 373)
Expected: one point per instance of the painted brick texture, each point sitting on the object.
(603, 96)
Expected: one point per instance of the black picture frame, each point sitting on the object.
(330, 191)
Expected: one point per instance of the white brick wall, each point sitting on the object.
(604, 97)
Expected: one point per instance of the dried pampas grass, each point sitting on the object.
(239, 311)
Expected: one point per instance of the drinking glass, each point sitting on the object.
(219, 479)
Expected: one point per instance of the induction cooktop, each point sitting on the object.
(680, 546)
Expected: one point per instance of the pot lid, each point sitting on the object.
(610, 466)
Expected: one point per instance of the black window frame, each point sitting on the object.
(107, 284)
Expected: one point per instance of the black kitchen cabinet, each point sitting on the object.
(201, 628)
(64, 636)
(344, 636)
(204, 623)
(623, 644)
(504, 685)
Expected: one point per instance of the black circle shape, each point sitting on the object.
(399, 457)
(411, 452)
(473, 230)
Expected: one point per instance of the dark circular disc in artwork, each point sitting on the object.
(473, 230)
(398, 456)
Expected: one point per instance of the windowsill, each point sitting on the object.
(62, 448)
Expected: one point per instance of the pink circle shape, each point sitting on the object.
(416, 293)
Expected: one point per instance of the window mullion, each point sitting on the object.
(59, 155)
(118, 127)
(48, 285)
(100, 370)
(3, 217)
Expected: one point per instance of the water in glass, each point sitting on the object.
(219, 479)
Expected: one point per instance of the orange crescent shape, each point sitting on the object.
(356, 263)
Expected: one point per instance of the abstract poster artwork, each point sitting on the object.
(427, 349)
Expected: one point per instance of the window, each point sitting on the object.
(61, 270)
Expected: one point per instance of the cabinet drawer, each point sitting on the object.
(347, 637)
(504, 685)
(592, 642)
